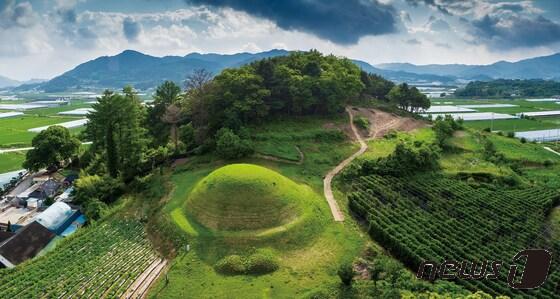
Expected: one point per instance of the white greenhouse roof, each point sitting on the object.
(446, 108)
(488, 106)
(10, 114)
(473, 116)
(69, 125)
(21, 106)
(540, 113)
(540, 135)
(80, 112)
(55, 215)
(543, 100)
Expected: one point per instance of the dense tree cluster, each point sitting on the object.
(408, 98)
(444, 127)
(510, 88)
(51, 147)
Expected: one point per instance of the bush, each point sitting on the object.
(548, 163)
(487, 130)
(346, 273)
(105, 189)
(511, 134)
(231, 265)
(406, 159)
(94, 209)
(361, 122)
(231, 146)
(262, 262)
(500, 133)
(523, 140)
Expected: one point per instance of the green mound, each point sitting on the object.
(245, 197)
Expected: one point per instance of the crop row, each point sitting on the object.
(435, 218)
(100, 261)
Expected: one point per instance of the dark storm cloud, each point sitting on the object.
(517, 31)
(340, 21)
(131, 29)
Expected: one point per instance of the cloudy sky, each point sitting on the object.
(44, 38)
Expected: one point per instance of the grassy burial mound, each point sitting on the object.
(249, 199)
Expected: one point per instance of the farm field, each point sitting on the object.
(511, 125)
(13, 131)
(412, 218)
(11, 161)
(100, 261)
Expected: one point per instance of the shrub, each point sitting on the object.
(262, 262)
(548, 163)
(231, 146)
(487, 130)
(406, 159)
(346, 273)
(500, 133)
(523, 140)
(105, 189)
(510, 134)
(361, 122)
(231, 265)
(94, 209)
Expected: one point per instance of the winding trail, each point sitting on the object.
(327, 182)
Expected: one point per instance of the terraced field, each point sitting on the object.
(103, 261)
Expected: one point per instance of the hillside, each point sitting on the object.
(7, 82)
(545, 67)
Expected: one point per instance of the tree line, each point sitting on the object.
(504, 88)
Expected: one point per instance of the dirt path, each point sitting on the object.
(277, 159)
(140, 287)
(327, 182)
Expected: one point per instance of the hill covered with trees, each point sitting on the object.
(510, 88)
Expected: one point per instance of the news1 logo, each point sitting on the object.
(533, 274)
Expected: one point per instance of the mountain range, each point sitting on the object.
(7, 82)
(544, 67)
(144, 71)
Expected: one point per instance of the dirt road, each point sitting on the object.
(327, 182)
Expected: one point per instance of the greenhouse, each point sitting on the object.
(69, 125)
(446, 108)
(10, 114)
(56, 215)
(540, 135)
(472, 116)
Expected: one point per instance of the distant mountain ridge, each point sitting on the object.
(144, 71)
(6, 82)
(544, 67)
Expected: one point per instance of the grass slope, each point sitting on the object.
(246, 197)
